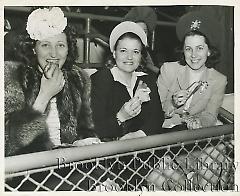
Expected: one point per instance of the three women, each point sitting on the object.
(53, 102)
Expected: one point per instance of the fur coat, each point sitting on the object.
(25, 129)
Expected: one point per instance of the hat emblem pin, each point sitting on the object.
(195, 25)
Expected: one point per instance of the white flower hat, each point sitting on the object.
(43, 23)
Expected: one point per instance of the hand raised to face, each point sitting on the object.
(49, 87)
(54, 82)
(49, 69)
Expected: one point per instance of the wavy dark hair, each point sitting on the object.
(24, 49)
(110, 62)
(212, 59)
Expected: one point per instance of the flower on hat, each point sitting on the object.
(195, 25)
(43, 23)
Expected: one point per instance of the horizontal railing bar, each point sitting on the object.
(73, 15)
(47, 158)
(226, 114)
(228, 137)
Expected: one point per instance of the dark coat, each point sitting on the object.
(25, 129)
(108, 96)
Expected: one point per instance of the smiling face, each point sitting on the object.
(53, 49)
(196, 52)
(128, 54)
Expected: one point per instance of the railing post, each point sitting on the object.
(87, 42)
(153, 40)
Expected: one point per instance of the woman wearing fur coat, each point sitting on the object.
(47, 97)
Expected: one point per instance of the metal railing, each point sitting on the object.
(201, 159)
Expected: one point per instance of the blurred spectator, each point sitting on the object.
(146, 18)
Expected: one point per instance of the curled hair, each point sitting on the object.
(24, 49)
(110, 62)
(72, 47)
(212, 59)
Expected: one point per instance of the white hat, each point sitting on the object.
(125, 27)
(43, 23)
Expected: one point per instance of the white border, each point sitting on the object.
(127, 3)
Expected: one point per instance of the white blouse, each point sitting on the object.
(53, 123)
(117, 77)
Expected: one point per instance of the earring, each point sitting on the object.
(34, 52)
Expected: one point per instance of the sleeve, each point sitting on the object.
(105, 121)
(22, 127)
(165, 82)
(155, 114)
(22, 123)
(208, 117)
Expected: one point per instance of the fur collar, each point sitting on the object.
(73, 102)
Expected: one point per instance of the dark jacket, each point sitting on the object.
(25, 129)
(108, 96)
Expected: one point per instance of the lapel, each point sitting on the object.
(197, 98)
(182, 78)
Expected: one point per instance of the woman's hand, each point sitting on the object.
(53, 83)
(193, 123)
(133, 135)
(169, 112)
(49, 87)
(130, 109)
(180, 97)
(87, 141)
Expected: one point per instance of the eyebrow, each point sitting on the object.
(44, 42)
(128, 49)
(51, 42)
(195, 46)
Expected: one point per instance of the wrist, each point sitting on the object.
(120, 118)
(41, 102)
(44, 95)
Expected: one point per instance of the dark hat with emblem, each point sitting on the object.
(201, 21)
(142, 14)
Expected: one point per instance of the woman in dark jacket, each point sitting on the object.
(125, 102)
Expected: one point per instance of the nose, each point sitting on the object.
(194, 53)
(53, 52)
(130, 55)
